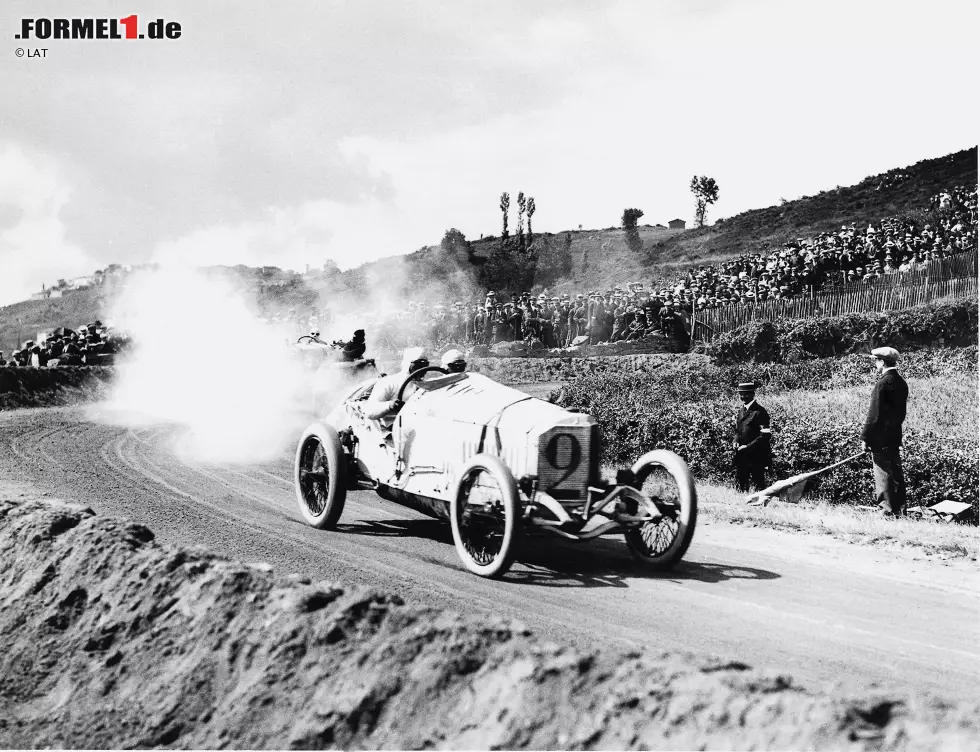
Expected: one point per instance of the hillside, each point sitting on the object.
(22, 321)
(599, 258)
(898, 192)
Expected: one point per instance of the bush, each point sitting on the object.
(950, 324)
(691, 410)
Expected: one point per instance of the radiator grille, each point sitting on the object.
(564, 461)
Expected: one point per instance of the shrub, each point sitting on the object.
(950, 324)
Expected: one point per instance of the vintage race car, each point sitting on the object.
(498, 465)
(329, 370)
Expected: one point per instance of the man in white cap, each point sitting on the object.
(384, 404)
(882, 434)
(454, 361)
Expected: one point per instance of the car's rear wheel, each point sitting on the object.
(486, 517)
(320, 476)
(664, 476)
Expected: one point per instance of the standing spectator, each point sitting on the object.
(576, 320)
(532, 323)
(37, 358)
(561, 324)
(515, 320)
(753, 434)
(882, 434)
(479, 325)
(2, 361)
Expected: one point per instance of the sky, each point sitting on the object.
(295, 133)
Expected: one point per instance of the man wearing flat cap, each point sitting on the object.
(753, 440)
(882, 434)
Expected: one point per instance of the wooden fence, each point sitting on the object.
(706, 325)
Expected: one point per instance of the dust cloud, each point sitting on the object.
(203, 359)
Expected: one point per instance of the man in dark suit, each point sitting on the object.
(753, 440)
(882, 434)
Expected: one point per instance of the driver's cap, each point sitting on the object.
(452, 356)
(413, 355)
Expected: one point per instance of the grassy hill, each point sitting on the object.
(599, 258)
(898, 192)
(22, 321)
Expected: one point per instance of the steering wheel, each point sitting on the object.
(417, 374)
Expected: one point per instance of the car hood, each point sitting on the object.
(474, 399)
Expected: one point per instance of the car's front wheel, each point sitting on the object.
(320, 476)
(664, 476)
(485, 514)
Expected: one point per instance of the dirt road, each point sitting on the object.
(829, 613)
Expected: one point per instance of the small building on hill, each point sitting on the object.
(677, 224)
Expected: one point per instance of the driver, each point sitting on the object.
(384, 404)
(454, 361)
(354, 349)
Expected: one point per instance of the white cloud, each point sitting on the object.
(369, 129)
(33, 247)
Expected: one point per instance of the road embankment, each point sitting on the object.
(109, 639)
(47, 387)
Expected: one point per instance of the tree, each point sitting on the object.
(526, 268)
(565, 257)
(505, 208)
(521, 208)
(705, 192)
(630, 218)
(456, 248)
(500, 271)
(530, 213)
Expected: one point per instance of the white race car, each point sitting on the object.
(497, 464)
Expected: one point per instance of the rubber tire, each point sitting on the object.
(336, 467)
(687, 519)
(513, 524)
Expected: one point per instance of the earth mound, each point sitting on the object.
(109, 639)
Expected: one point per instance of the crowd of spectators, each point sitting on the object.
(836, 259)
(91, 344)
(552, 321)
(831, 260)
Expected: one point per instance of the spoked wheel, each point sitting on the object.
(320, 476)
(664, 476)
(486, 517)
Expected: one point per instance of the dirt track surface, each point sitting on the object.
(110, 640)
(835, 617)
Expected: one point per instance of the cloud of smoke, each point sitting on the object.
(206, 356)
(380, 297)
(202, 358)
